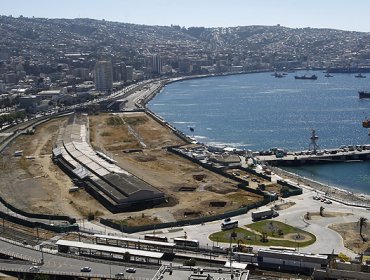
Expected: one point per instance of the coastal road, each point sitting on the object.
(141, 94)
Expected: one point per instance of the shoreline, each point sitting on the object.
(333, 193)
(340, 195)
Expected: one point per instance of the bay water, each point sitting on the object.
(258, 112)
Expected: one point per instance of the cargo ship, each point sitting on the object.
(364, 94)
(304, 77)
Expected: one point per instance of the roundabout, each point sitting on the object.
(266, 233)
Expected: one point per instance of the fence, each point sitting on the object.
(126, 229)
(32, 224)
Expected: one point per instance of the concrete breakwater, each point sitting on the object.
(344, 154)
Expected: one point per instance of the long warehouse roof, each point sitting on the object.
(111, 249)
(143, 241)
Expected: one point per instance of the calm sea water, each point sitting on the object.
(259, 111)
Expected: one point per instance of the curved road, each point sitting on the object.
(327, 239)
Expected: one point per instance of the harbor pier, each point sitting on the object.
(343, 154)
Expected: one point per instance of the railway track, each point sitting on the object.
(24, 235)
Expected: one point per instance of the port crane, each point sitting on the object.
(313, 145)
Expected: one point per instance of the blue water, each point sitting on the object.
(258, 112)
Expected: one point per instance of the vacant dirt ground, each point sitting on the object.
(138, 143)
(33, 183)
(350, 233)
(326, 214)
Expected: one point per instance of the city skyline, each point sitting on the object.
(339, 14)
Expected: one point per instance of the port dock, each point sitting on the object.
(343, 154)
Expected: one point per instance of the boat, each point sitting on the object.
(366, 123)
(304, 77)
(278, 75)
(327, 75)
(360, 76)
(364, 94)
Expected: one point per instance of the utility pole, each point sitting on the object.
(232, 235)
(42, 254)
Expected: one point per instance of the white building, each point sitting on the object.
(103, 76)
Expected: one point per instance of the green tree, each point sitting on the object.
(40, 276)
(126, 256)
(90, 216)
(190, 262)
(264, 237)
(363, 222)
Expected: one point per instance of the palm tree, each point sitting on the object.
(362, 222)
(322, 211)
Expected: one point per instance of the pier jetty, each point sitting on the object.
(342, 154)
(314, 155)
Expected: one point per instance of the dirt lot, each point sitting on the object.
(137, 143)
(190, 188)
(33, 183)
(350, 233)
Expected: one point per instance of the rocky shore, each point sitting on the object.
(337, 194)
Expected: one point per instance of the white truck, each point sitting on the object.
(264, 214)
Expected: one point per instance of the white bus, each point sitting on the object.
(229, 225)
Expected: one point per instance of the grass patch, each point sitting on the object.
(274, 228)
(133, 221)
(24, 163)
(105, 133)
(115, 120)
(248, 237)
(242, 197)
(136, 120)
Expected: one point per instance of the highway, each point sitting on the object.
(56, 264)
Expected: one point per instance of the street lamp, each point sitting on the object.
(232, 235)
(42, 255)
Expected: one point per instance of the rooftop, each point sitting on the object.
(179, 273)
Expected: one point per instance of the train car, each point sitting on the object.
(245, 257)
(281, 248)
(186, 243)
(291, 261)
(155, 238)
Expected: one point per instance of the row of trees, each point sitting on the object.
(9, 102)
(12, 117)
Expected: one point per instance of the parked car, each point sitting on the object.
(34, 268)
(85, 269)
(130, 270)
(120, 275)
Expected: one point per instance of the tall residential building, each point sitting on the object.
(119, 72)
(103, 76)
(156, 64)
(129, 73)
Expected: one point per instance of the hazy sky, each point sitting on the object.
(338, 14)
